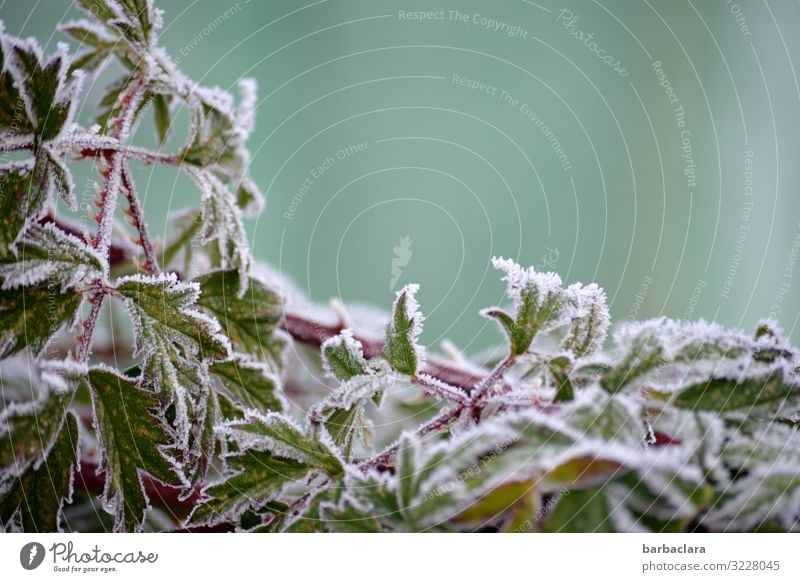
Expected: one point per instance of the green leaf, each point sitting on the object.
(582, 511)
(29, 316)
(47, 254)
(347, 426)
(725, 396)
(109, 106)
(87, 33)
(249, 384)
(13, 117)
(402, 332)
(347, 516)
(38, 496)
(539, 302)
(60, 179)
(560, 368)
(161, 116)
(203, 436)
(91, 60)
(250, 320)
(256, 478)
(505, 498)
(132, 440)
(589, 319)
(135, 20)
(98, 9)
(342, 412)
(43, 85)
(280, 435)
(175, 340)
(221, 221)
(249, 198)
(24, 190)
(644, 356)
(28, 432)
(608, 418)
(766, 488)
(97, 43)
(343, 356)
(164, 312)
(215, 140)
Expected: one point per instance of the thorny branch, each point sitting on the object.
(112, 182)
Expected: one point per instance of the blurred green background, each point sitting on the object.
(498, 128)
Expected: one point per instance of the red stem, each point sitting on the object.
(313, 333)
(89, 324)
(137, 217)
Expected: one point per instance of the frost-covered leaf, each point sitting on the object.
(135, 20)
(280, 435)
(670, 356)
(249, 198)
(614, 419)
(108, 107)
(538, 301)
(133, 441)
(205, 416)
(347, 426)
(13, 118)
(221, 221)
(251, 319)
(560, 368)
(401, 349)
(95, 40)
(349, 516)
(219, 130)
(47, 254)
(37, 498)
(48, 95)
(430, 484)
(98, 9)
(256, 477)
(343, 413)
(60, 179)
(754, 395)
(23, 194)
(343, 356)
(593, 441)
(175, 340)
(767, 487)
(27, 433)
(164, 309)
(87, 32)
(251, 385)
(589, 319)
(30, 316)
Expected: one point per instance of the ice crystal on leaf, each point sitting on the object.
(175, 340)
(49, 253)
(538, 302)
(402, 349)
(589, 319)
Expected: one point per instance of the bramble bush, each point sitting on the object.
(180, 419)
